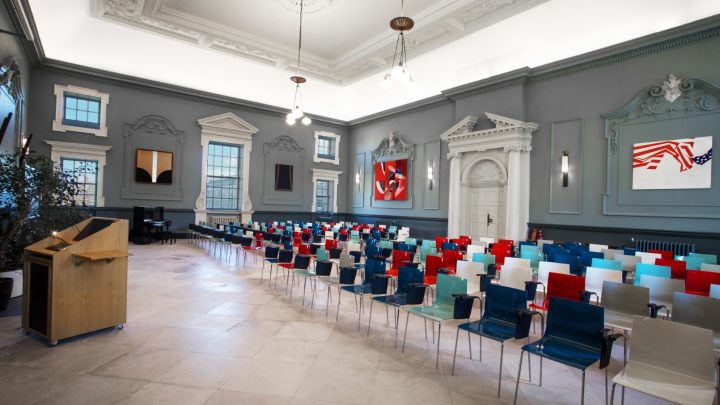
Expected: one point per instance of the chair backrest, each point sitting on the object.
(567, 286)
(682, 349)
(449, 246)
(469, 271)
(610, 253)
(428, 243)
(545, 268)
(446, 289)
(576, 322)
(587, 256)
(346, 260)
(664, 254)
(595, 277)
(373, 267)
(715, 291)
(597, 248)
(626, 298)
(712, 259)
(323, 268)
(285, 256)
(524, 247)
(411, 241)
(322, 254)
(353, 247)
(713, 268)
(450, 257)
(407, 276)
(698, 281)
(572, 261)
(472, 249)
(533, 256)
(648, 258)
(303, 249)
(301, 262)
(329, 234)
(517, 262)
(487, 240)
(628, 262)
(515, 277)
(432, 264)
(484, 258)
(703, 312)
(692, 262)
(503, 303)
(271, 252)
(662, 289)
(606, 264)
(651, 269)
(426, 251)
(677, 267)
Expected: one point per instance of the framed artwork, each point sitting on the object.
(153, 166)
(672, 164)
(391, 180)
(283, 177)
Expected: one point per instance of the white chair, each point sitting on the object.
(713, 268)
(609, 254)
(595, 277)
(670, 361)
(487, 241)
(250, 234)
(662, 290)
(354, 247)
(516, 262)
(469, 271)
(628, 262)
(329, 235)
(472, 249)
(515, 277)
(714, 291)
(648, 258)
(597, 248)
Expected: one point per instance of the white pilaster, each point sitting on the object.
(455, 194)
(518, 191)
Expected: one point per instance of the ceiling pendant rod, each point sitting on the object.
(296, 111)
(300, 36)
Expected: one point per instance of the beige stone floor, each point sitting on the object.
(202, 331)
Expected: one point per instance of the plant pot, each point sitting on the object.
(6, 286)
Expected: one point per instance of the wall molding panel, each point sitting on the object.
(566, 136)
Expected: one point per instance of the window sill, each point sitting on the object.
(58, 126)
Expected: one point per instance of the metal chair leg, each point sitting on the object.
(337, 314)
(582, 389)
(502, 350)
(405, 334)
(437, 356)
(606, 385)
(517, 382)
(469, 343)
(370, 317)
(612, 394)
(397, 321)
(457, 335)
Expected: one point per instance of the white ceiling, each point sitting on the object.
(244, 48)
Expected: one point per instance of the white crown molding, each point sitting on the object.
(437, 25)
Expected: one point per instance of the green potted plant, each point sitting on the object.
(36, 198)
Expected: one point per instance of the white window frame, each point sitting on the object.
(58, 125)
(331, 175)
(81, 151)
(336, 139)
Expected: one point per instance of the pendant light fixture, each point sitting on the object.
(400, 71)
(296, 112)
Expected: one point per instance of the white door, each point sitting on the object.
(487, 216)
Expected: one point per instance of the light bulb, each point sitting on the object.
(410, 84)
(404, 76)
(386, 82)
(397, 71)
(290, 120)
(290, 116)
(297, 112)
(306, 120)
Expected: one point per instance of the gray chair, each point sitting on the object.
(662, 290)
(621, 303)
(703, 312)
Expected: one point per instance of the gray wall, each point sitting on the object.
(11, 47)
(130, 102)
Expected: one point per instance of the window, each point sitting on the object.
(223, 176)
(78, 109)
(322, 196)
(326, 147)
(81, 111)
(85, 173)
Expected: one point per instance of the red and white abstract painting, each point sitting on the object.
(673, 164)
(391, 180)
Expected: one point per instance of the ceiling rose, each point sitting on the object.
(309, 6)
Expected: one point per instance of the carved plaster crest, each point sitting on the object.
(285, 143)
(393, 147)
(671, 88)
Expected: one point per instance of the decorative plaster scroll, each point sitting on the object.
(393, 147)
(156, 125)
(285, 143)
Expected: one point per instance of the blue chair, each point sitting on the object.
(285, 256)
(575, 248)
(271, 256)
(572, 261)
(587, 257)
(410, 291)
(506, 317)
(375, 282)
(443, 309)
(484, 258)
(629, 251)
(574, 336)
(710, 259)
(606, 264)
(651, 270)
(411, 241)
(449, 246)
(693, 262)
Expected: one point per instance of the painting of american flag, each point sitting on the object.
(672, 164)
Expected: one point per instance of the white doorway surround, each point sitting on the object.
(489, 178)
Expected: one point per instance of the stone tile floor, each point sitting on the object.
(202, 331)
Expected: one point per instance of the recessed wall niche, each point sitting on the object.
(150, 134)
(283, 151)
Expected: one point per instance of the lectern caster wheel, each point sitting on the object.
(121, 326)
(53, 343)
(26, 332)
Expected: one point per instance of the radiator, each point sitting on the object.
(679, 249)
(224, 219)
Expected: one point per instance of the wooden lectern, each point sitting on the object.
(75, 281)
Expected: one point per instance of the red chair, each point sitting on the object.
(465, 240)
(297, 241)
(677, 267)
(399, 259)
(271, 230)
(432, 265)
(560, 285)
(330, 244)
(666, 254)
(303, 249)
(501, 251)
(509, 242)
(450, 258)
(698, 282)
(439, 240)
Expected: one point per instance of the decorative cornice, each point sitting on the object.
(465, 126)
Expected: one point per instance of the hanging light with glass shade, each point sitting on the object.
(399, 71)
(296, 112)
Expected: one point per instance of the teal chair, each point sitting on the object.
(693, 262)
(606, 264)
(355, 236)
(484, 258)
(322, 255)
(428, 243)
(386, 244)
(426, 251)
(411, 241)
(651, 270)
(528, 248)
(442, 309)
(711, 259)
(534, 256)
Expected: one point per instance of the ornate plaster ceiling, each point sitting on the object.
(344, 40)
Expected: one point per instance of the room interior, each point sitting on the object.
(445, 152)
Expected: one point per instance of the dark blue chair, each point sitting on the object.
(571, 260)
(629, 251)
(284, 256)
(576, 337)
(506, 317)
(410, 291)
(449, 246)
(575, 248)
(375, 282)
(271, 256)
(586, 258)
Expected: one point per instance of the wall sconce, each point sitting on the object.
(564, 168)
(357, 177)
(430, 175)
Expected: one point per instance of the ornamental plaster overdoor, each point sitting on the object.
(230, 129)
(513, 138)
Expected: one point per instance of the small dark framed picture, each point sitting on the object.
(283, 177)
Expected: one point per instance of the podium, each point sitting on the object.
(75, 281)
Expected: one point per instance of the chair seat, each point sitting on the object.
(618, 320)
(564, 352)
(539, 307)
(491, 329)
(358, 288)
(435, 312)
(664, 384)
(289, 266)
(305, 272)
(431, 280)
(272, 260)
(396, 300)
